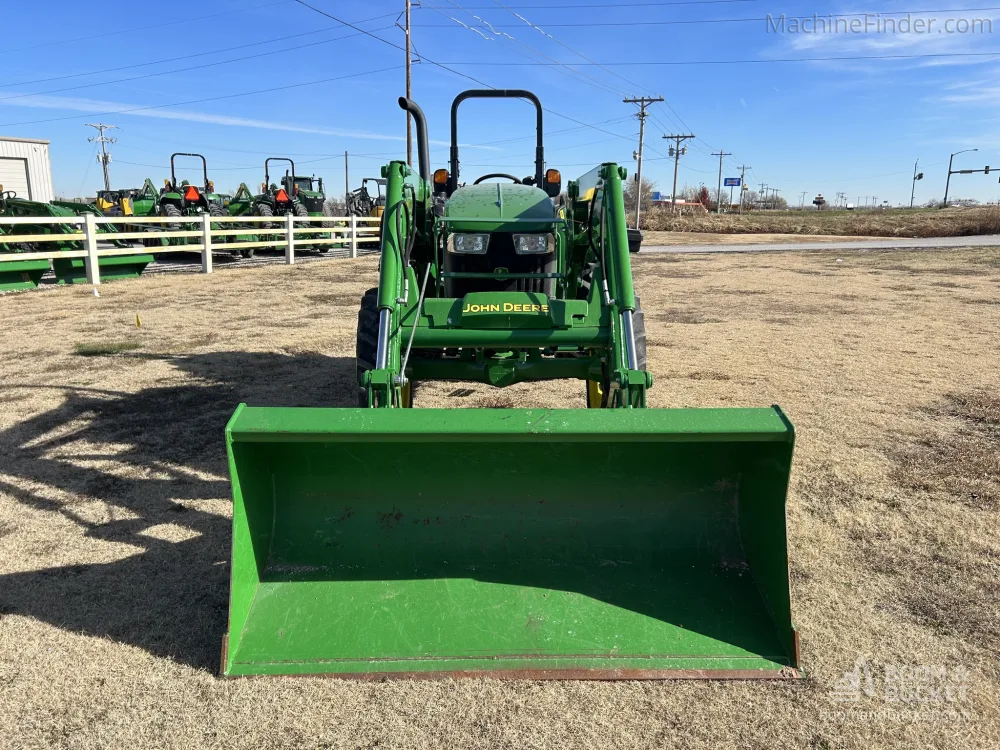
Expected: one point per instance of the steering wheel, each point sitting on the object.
(8, 194)
(517, 180)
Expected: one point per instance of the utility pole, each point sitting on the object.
(743, 184)
(913, 185)
(762, 196)
(774, 198)
(677, 152)
(347, 181)
(642, 101)
(718, 191)
(409, 120)
(104, 158)
(802, 199)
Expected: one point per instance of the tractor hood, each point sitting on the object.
(499, 207)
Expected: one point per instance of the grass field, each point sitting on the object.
(114, 505)
(951, 222)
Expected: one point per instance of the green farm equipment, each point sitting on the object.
(615, 541)
(178, 200)
(67, 270)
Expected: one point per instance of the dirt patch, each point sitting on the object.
(963, 463)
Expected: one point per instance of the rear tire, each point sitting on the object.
(367, 341)
(169, 210)
(214, 210)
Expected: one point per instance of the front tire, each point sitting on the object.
(367, 341)
(597, 393)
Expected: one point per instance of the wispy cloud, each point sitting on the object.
(74, 104)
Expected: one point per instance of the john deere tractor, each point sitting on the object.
(177, 200)
(616, 541)
(278, 200)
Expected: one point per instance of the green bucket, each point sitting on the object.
(20, 274)
(615, 544)
(112, 267)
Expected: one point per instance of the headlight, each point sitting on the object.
(468, 244)
(534, 244)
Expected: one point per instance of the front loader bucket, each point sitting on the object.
(616, 544)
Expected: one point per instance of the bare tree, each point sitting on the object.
(648, 187)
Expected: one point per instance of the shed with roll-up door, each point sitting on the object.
(25, 168)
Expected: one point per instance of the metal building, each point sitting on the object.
(25, 168)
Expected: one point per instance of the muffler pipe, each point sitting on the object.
(423, 149)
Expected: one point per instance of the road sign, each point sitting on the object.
(732, 182)
(657, 195)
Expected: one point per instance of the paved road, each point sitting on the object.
(986, 240)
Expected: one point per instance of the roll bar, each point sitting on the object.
(497, 94)
(267, 177)
(204, 168)
(423, 148)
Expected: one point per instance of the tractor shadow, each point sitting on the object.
(153, 464)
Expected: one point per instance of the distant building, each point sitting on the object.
(25, 168)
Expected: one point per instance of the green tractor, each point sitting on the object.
(179, 200)
(67, 270)
(275, 200)
(615, 541)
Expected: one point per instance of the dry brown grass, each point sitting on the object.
(951, 222)
(114, 509)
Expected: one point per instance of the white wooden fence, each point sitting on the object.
(288, 232)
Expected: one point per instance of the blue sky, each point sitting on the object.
(823, 126)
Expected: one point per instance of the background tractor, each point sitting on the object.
(278, 200)
(177, 200)
(361, 202)
(615, 541)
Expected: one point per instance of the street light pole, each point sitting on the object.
(947, 182)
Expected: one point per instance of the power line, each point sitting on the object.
(840, 58)
(198, 66)
(763, 19)
(443, 66)
(487, 25)
(119, 68)
(576, 6)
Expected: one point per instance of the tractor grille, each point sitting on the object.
(499, 254)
